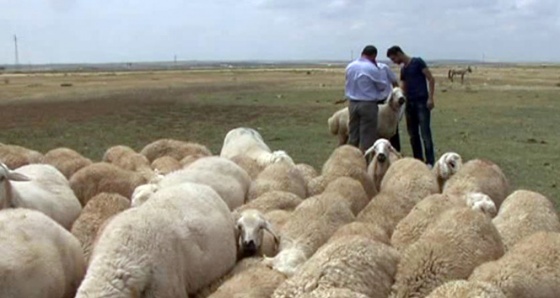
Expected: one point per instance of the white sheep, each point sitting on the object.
(66, 160)
(309, 227)
(531, 268)
(273, 200)
(457, 242)
(410, 228)
(38, 257)
(524, 213)
(229, 180)
(356, 263)
(466, 289)
(174, 148)
(175, 244)
(384, 155)
(479, 176)
(248, 164)
(250, 227)
(447, 165)
(98, 210)
(249, 142)
(42, 188)
(15, 156)
(388, 118)
(278, 177)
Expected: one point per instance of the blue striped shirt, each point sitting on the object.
(365, 81)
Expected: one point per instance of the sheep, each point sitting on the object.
(174, 148)
(248, 164)
(15, 156)
(524, 213)
(356, 263)
(42, 188)
(66, 160)
(273, 200)
(127, 159)
(250, 225)
(332, 293)
(104, 177)
(166, 164)
(38, 257)
(410, 228)
(457, 242)
(308, 172)
(175, 244)
(239, 267)
(99, 209)
(279, 177)
(447, 165)
(388, 118)
(346, 161)
(310, 226)
(406, 183)
(384, 156)
(371, 231)
(249, 142)
(465, 289)
(479, 176)
(350, 191)
(189, 159)
(531, 268)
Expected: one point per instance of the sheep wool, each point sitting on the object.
(259, 281)
(174, 148)
(465, 289)
(524, 213)
(66, 160)
(248, 164)
(14, 156)
(273, 200)
(409, 179)
(351, 191)
(166, 164)
(280, 177)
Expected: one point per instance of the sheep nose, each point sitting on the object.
(402, 100)
(249, 246)
(381, 157)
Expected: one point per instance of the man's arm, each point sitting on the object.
(432, 85)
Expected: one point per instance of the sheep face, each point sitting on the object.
(397, 99)
(449, 164)
(7, 175)
(481, 202)
(382, 148)
(250, 227)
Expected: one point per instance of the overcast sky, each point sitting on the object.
(59, 31)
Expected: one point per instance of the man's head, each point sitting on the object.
(396, 54)
(370, 53)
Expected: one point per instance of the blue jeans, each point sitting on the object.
(418, 125)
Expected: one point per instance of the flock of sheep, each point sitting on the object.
(174, 220)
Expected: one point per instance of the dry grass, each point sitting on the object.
(508, 115)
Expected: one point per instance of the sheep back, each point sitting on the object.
(66, 160)
(279, 177)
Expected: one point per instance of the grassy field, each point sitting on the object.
(508, 115)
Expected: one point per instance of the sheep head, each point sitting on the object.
(382, 149)
(448, 164)
(7, 175)
(250, 225)
(481, 202)
(397, 99)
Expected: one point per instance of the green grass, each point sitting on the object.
(516, 129)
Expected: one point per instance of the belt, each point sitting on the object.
(377, 101)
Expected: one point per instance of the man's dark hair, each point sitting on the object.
(369, 51)
(394, 50)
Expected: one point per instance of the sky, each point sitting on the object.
(86, 31)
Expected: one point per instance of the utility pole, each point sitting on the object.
(352, 55)
(16, 50)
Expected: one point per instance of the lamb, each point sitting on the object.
(273, 200)
(249, 142)
(173, 148)
(309, 227)
(39, 187)
(224, 176)
(166, 164)
(356, 263)
(279, 177)
(447, 166)
(531, 268)
(66, 160)
(406, 183)
(160, 248)
(351, 191)
(465, 289)
(104, 177)
(98, 210)
(457, 242)
(410, 228)
(384, 156)
(479, 176)
(127, 159)
(250, 225)
(15, 156)
(38, 257)
(389, 115)
(248, 164)
(346, 161)
(524, 213)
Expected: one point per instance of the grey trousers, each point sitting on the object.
(363, 124)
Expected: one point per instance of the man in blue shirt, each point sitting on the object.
(365, 89)
(415, 75)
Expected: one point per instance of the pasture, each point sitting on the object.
(509, 115)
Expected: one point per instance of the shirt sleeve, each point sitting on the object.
(422, 64)
(377, 78)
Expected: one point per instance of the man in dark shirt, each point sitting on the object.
(415, 75)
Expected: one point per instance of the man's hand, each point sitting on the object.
(431, 105)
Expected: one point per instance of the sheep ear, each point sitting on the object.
(14, 176)
(392, 149)
(268, 227)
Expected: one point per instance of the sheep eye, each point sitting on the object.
(2, 178)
